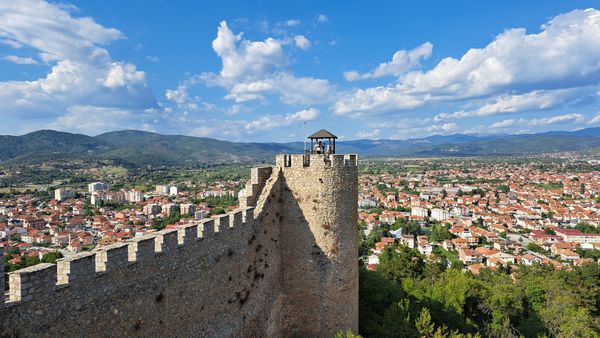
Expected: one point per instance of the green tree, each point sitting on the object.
(410, 227)
(434, 268)
(439, 232)
(399, 262)
(346, 334)
(376, 294)
(503, 188)
(505, 301)
(586, 228)
(51, 257)
(397, 321)
(423, 323)
(535, 248)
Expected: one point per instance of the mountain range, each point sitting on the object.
(134, 148)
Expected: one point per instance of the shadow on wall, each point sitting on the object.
(303, 280)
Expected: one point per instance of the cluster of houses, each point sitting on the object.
(491, 220)
(74, 221)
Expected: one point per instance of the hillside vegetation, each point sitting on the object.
(135, 148)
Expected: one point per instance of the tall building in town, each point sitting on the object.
(98, 186)
(64, 194)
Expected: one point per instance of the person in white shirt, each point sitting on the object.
(319, 147)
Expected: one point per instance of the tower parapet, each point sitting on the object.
(315, 160)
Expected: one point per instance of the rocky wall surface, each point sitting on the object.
(319, 245)
(174, 284)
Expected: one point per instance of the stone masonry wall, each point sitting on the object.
(284, 264)
(319, 244)
(172, 285)
(1, 281)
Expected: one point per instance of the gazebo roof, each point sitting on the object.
(322, 134)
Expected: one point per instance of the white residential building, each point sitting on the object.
(439, 214)
(134, 196)
(367, 203)
(162, 189)
(98, 186)
(373, 259)
(187, 209)
(152, 209)
(63, 194)
(171, 208)
(408, 240)
(425, 248)
(418, 211)
(104, 197)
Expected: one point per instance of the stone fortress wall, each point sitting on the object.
(284, 264)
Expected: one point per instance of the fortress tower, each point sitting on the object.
(284, 264)
(319, 244)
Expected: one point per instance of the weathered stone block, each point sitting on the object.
(45, 276)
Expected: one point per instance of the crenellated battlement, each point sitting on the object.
(41, 280)
(258, 177)
(316, 160)
(29, 283)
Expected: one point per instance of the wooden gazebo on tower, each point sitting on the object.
(317, 146)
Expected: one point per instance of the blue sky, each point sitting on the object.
(260, 70)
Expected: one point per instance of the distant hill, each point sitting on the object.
(45, 144)
(133, 147)
(549, 142)
(140, 147)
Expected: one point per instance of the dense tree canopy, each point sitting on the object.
(407, 297)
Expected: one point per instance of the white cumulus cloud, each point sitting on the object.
(550, 120)
(508, 104)
(82, 72)
(20, 60)
(564, 54)
(322, 18)
(252, 70)
(293, 22)
(402, 61)
(302, 42)
(275, 121)
(368, 134)
(407, 132)
(595, 119)
(246, 59)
